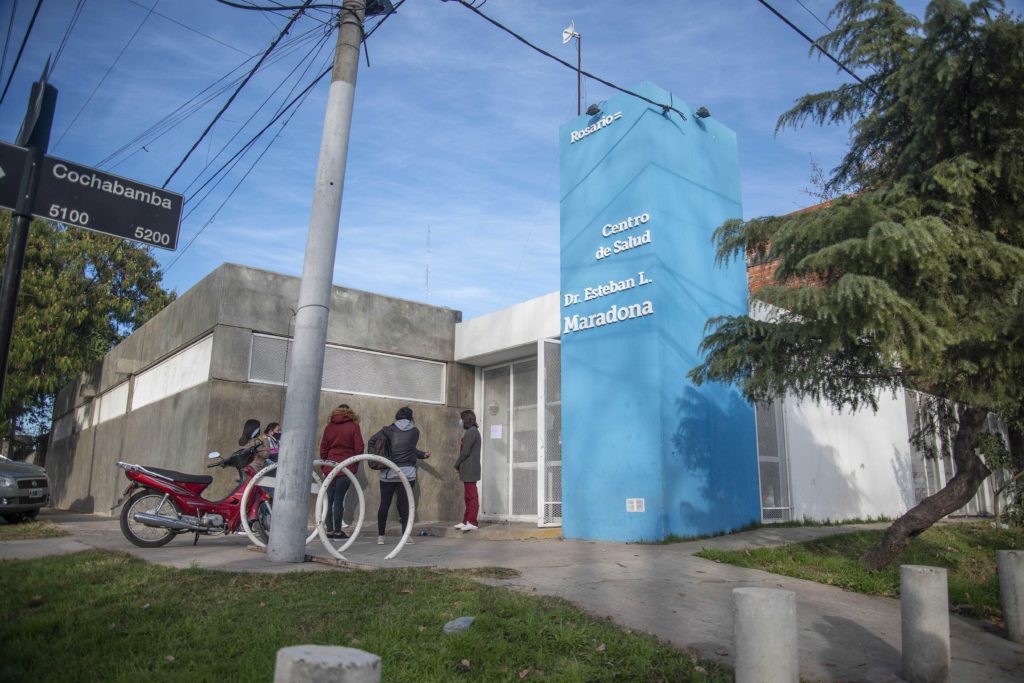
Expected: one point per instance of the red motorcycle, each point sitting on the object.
(164, 503)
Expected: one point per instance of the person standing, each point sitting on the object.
(272, 441)
(341, 440)
(468, 467)
(404, 435)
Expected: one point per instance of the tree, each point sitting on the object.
(81, 293)
(916, 279)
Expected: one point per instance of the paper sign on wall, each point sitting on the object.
(495, 431)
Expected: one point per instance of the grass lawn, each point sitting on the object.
(26, 530)
(101, 615)
(968, 551)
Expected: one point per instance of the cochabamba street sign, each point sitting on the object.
(92, 199)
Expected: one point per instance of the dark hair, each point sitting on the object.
(344, 405)
(271, 427)
(404, 413)
(468, 418)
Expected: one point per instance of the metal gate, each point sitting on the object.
(521, 452)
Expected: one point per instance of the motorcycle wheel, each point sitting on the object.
(137, 532)
(261, 525)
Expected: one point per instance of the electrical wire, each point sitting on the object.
(309, 60)
(195, 104)
(827, 27)
(241, 85)
(190, 28)
(278, 8)
(110, 68)
(814, 43)
(67, 34)
(301, 96)
(7, 39)
(21, 49)
(665, 108)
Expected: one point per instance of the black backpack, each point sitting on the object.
(380, 444)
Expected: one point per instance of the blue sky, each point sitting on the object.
(455, 128)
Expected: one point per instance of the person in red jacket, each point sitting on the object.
(342, 439)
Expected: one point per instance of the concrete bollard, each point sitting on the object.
(325, 664)
(1011, 587)
(764, 628)
(924, 622)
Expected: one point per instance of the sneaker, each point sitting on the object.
(469, 527)
(345, 525)
(460, 526)
(410, 542)
(340, 534)
(380, 540)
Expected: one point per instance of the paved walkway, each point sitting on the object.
(661, 589)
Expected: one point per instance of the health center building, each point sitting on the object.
(587, 418)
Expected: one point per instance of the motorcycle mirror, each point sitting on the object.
(250, 431)
(213, 454)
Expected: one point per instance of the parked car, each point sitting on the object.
(24, 488)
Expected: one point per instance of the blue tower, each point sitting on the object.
(646, 453)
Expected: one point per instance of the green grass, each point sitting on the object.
(101, 615)
(27, 530)
(966, 550)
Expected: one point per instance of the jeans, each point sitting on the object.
(387, 492)
(336, 502)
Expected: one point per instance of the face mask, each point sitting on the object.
(277, 436)
(461, 423)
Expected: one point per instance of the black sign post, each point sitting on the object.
(35, 135)
(33, 184)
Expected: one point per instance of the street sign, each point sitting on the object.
(89, 198)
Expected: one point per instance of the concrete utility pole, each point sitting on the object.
(305, 373)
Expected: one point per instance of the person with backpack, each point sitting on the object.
(403, 436)
(468, 467)
(341, 440)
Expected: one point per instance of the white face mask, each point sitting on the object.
(461, 423)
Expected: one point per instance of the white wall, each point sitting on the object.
(849, 465)
(500, 336)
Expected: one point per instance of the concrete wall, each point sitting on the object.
(847, 465)
(231, 303)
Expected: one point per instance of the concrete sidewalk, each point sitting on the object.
(661, 589)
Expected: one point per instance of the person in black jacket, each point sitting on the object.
(468, 467)
(404, 436)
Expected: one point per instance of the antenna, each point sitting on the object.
(568, 34)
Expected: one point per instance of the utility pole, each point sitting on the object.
(305, 372)
(35, 135)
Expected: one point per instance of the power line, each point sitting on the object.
(827, 27)
(254, 138)
(7, 40)
(21, 49)
(67, 34)
(194, 30)
(665, 108)
(256, 161)
(195, 104)
(110, 68)
(815, 44)
(309, 60)
(278, 8)
(231, 99)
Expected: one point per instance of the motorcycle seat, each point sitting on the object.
(182, 476)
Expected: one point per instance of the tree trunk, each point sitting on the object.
(970, 473)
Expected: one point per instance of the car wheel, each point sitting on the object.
(12, 517)
(30, 515)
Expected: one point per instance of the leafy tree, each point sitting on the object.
(81, 293)
(916, 278)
